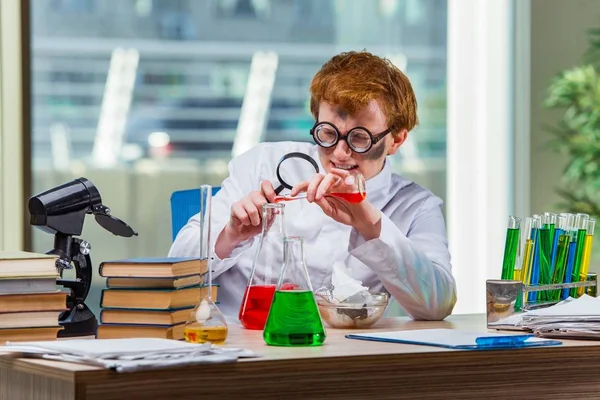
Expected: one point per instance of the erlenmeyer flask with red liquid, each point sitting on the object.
(268, 260)
(351, 189)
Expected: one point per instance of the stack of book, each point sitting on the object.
(30, 301)
(150, 297)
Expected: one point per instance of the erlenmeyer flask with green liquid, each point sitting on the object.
(294, 318)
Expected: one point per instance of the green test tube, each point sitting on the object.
(581, 225)
(562, 253)
(545, 255)
(550, 220)
(511, 247)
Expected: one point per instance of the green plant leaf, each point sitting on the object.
(576, 92)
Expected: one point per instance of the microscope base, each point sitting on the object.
(80, 321)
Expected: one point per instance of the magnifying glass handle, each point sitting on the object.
(279, 199)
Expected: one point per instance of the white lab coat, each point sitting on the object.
(410, 259)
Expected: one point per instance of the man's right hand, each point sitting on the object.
(245, 221)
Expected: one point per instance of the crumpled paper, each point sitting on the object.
(343, 285)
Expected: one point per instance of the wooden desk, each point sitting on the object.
(342, 368)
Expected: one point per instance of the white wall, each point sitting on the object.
(11, 175)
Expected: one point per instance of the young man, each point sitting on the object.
(395, 240)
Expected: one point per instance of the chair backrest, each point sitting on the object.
(184, 205)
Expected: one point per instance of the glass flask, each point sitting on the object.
(205, 322)
(353, 189)
(294, 318)
(265, 269)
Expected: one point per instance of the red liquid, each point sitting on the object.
(353, 198)
(256, 305)
(279, 199)
(289, 286)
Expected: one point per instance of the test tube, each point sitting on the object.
(550, 221)
(572, 231)
(511, 247)
(545, 254)
(581, 225)
(560, 261)
(535, 266)
(560, 229)
(522, 265)
(587, 252)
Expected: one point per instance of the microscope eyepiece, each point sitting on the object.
(63, 208)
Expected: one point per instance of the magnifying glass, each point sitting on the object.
(295, 167)
(292, 169)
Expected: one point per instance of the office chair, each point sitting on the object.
(184, 205)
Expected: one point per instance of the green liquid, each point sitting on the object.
(510, 253)
(552, 228)
(560, 264)
(545, 260)
(294, 320)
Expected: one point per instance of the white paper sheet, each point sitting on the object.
(583, 306)
(129, 354)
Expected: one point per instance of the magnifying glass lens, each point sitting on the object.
(294, 168)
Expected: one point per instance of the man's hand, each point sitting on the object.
(363, 216)
(245, 220)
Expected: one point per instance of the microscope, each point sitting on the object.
(61, 211)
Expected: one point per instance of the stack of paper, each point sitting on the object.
(577, 318)
(128, 354)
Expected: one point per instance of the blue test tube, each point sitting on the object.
(572, 231)
(535, 270)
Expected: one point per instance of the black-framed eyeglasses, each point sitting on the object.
(359, 139)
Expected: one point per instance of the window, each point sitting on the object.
(73, 6)
(184, 73)
(251, 9)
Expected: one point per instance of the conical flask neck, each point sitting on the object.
(268, 257)
(293, 252)
(273, 220)
(294, 275)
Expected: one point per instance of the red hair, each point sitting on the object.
(351, 80)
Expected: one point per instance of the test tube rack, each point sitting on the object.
(505, 298)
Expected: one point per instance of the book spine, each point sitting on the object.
(102, 297)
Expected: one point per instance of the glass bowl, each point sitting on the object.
(354, 312)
